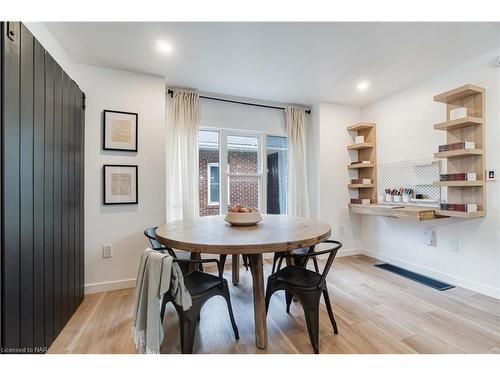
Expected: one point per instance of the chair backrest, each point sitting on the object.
(332, 252)
(150, 233)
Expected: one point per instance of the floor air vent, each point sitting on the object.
(415, 277)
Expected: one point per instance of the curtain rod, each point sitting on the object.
(308, 111)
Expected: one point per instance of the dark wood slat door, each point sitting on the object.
(65, 201)
(11, 317)
(58, 107)
(71, 198)
(26, 187)
(42, 246)
(39, 195)
(49, 200)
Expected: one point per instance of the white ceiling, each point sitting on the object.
(285, 62)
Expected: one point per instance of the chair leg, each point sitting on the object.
(288, 299)
(269, 292)
(246, 263)
(311, 312)
(230, 309)
(187, 331)
(330, 311)
(222, 260)
(275, 261)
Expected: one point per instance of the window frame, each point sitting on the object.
(223, 166)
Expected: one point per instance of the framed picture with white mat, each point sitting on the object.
(120, 131)
(120, 184)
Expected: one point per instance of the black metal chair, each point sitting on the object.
(305, 285)
(150, 233)
(201, 286)
(297, 259)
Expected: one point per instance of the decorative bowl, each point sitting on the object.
(243, 218)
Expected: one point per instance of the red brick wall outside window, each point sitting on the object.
(243, 190)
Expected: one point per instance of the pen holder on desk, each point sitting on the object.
(387, 197)
(406, 198)
(396, 198)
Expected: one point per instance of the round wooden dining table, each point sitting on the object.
(275, 233)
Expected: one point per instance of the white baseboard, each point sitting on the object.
(438, 275)
(349, 252)
(109, 285)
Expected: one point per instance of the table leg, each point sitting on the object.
(236, 269)
(259, 303)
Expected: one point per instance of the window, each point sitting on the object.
(242, 168)
(213, 182)
(277, 174)
(209, 172)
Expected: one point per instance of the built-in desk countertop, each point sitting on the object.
(402, 212)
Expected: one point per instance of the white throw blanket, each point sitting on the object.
(157, 274)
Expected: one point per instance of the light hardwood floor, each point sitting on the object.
(376, 312)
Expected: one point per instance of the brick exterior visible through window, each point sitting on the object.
(243, 190)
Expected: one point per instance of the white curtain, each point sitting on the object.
(182, 156)
(298, 194)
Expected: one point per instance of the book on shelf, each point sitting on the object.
(360, 162)
(363, 181)
(464, 145)
(458, 177)
(460, 207)
(360, 200)
(359, 139)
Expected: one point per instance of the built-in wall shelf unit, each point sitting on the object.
(361, 126)
(463, 181)
(363, 166)
(463, 215)
(459, 183)
(458, 153)
(359, 166)
(361, 186)
(361, 146)
(398, 212)
(459, 123)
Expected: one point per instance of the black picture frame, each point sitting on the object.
(106, 201)
(104, 140)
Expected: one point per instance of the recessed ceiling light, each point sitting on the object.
(363, 85)
(164, 46)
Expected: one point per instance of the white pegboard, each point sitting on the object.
(418, 175)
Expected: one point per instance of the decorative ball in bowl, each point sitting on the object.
(243, 216)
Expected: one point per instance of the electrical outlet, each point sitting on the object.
(491, 175)
(453, 246)
(429, 237)
(107, 251)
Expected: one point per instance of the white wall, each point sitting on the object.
(404, 132)
(334, 175)
(120, 226)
